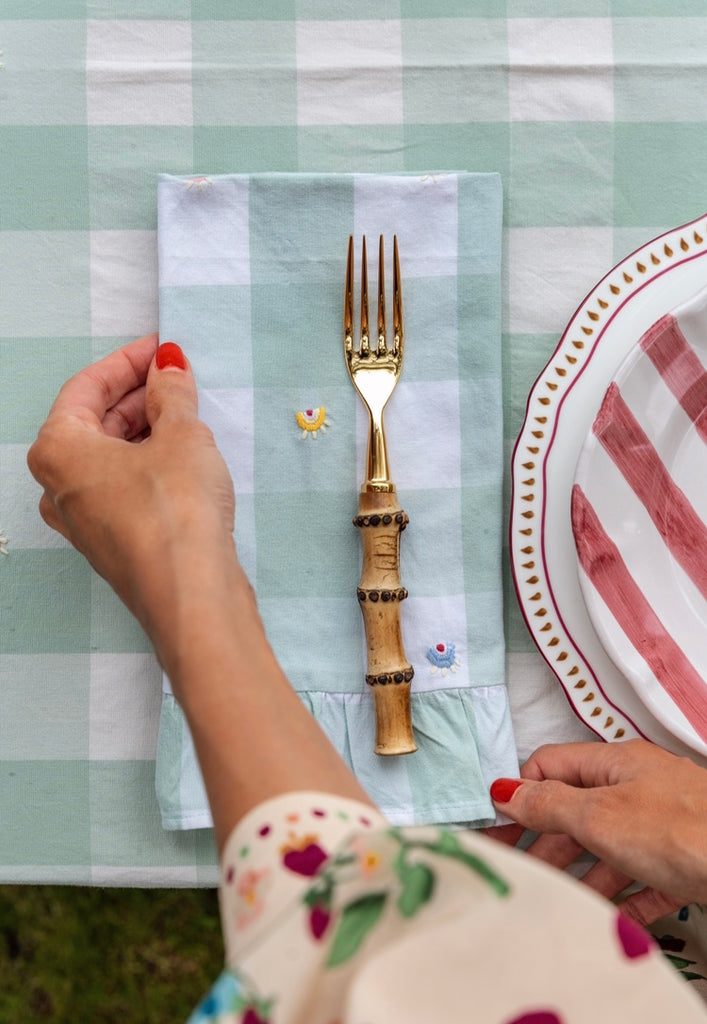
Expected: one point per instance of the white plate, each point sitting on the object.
(638, 511)
(561, 408)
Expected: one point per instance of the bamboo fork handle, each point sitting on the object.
(380, 593)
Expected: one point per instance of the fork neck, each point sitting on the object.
(378, 476)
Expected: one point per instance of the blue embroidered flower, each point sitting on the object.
(223, 998)
(443, 658)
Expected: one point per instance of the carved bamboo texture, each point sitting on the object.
(380, 593)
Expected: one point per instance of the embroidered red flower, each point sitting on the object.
(537, 1017)
(252, 1016)
(319, 918)
(634, 941)
(304, 856)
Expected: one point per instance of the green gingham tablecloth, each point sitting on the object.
(593, 112)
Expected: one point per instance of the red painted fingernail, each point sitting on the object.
(170, 354)
(503, 789)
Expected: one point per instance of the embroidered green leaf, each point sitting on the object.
(319, 893)
(679, 961)
(356, 921)
(253, 1010)
(418, 884)
(447, 845)
(450, 846)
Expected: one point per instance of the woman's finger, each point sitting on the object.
(128, 418)
(649, 905)
(557, 849)
(604, 879)
(171, 389)
(592, 817)
(580, 764)
(509, 835)
(100, 387)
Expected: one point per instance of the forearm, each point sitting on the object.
(253, 736)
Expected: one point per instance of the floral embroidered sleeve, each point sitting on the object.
(271, 857)
(332, 916)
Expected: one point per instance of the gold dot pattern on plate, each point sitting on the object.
(569, 358)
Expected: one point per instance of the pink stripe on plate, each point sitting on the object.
(681, 528)
(602, 562)
(680, 367)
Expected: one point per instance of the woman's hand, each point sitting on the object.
(134, 480)
(641, 810)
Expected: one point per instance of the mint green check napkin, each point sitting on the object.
(251, 272)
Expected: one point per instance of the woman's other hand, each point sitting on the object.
(641, 810)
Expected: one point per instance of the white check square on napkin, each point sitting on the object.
(251, 272)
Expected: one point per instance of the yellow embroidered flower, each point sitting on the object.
(311, 421)
(368, 859)
(369, 862)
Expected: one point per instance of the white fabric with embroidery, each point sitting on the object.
(252, 272)
(333, 917)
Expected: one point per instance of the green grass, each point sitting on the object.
(105, 956)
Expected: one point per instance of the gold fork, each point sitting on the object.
(374, 372)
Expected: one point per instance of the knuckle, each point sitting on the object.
(48, 511)
(634, 756)
(46, 507)
(546, 748)
(35, 457)
(599, 816)
(629, 749)
(554, 806)
(43, 452)
(127, 421)
(540, 803)
(647, 906)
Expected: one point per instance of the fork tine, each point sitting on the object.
(348, 300)
(398, 334)
(381, 298)
(365, 345)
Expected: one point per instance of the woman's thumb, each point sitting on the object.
(171, 388)
(544, 806)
